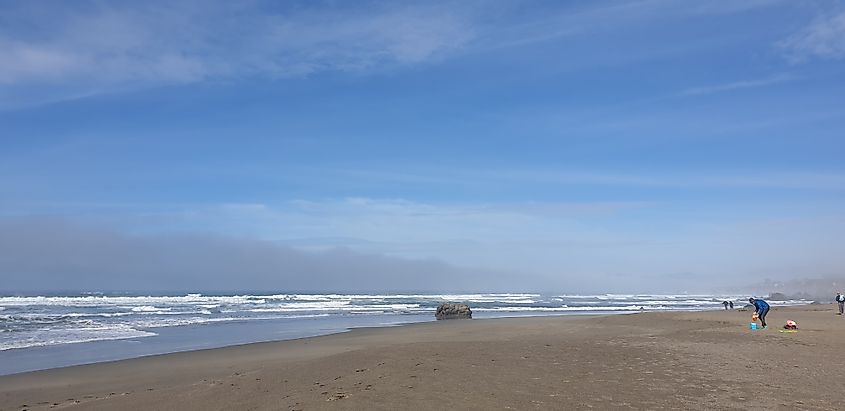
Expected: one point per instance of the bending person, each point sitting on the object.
(762, 309)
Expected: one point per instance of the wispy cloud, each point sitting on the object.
(85, 48)
(99, 46)
(736, 85)
(824, 38)
(726, 7)
(577, 19)
(551, 178)
(402, 221)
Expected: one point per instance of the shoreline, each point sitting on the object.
(602, 361)
(38, 321)
(56, 356)
(38, 351)
(167, 340)
(86, 347)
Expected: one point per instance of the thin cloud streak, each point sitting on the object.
(736, 85)
(823, 39)
(521, 176)
(603, 18)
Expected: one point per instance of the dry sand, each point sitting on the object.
(706, 360)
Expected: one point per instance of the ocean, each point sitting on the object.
(48, 331)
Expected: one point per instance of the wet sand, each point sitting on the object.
(706, 360)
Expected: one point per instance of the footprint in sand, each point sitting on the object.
(338, 396)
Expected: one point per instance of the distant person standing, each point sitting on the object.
(731, 303)
(762, 308)
(841, 300)
(725, 304)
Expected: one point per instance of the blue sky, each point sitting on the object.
(627, 145)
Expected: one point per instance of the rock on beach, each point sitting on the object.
(452, 311)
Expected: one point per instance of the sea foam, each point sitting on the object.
(29, 321)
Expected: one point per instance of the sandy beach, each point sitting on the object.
(700, 360)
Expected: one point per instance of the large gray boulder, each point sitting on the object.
(452, 311)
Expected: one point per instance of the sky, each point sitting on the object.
(560, 146)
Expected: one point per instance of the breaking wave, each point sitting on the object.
(30, 321)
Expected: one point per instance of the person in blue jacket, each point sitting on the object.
(762, 309)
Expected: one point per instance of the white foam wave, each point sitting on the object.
(148, 308)
(334, 306)
(176, 322)
(46, 337)
(107, 315)
(132, 301)
(787, 302)
(59, 320)
(503, 297)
